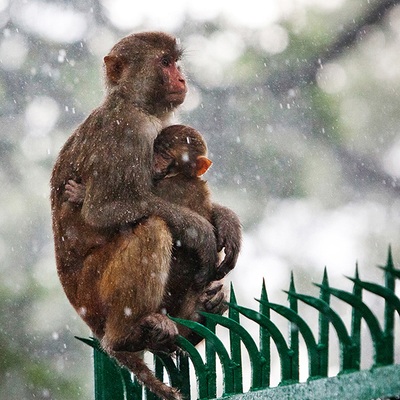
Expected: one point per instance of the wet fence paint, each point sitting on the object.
(380, 380)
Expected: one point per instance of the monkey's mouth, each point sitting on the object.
(176, 97)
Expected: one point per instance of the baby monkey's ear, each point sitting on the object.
(202, 165)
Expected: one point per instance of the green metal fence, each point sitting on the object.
(380, 379)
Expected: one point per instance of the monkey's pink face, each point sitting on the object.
(174, 82)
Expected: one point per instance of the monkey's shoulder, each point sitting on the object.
(125, 119)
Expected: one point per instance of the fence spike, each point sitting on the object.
(265, 339)
(389, 308)
(305, 331)
(325, 279)
(233, 314)
(371, 320)
(276, 335)
(389, 267)
(293, 333)
(264, 296)
(330, 315)
(389, 262)
(379, 290)
(323, 328)
(356, 317)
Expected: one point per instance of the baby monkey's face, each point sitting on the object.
(179, 149)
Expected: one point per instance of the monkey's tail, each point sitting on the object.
(145, 376)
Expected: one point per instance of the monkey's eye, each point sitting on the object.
(165, 61)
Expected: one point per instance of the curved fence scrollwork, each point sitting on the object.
(113, 382)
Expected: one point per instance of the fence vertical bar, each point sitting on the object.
(137, 390)
(235, 343)
(198, 364)
(211, 363)
(293, 334)
(159, 373)
(265, 339)
(323, 327)
(183, 366)
(133, 390)
(389, 310)
(356, 323)
(108, 382)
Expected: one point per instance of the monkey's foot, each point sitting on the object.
(211, 300)
(160, 333)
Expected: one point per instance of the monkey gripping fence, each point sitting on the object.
(382, 379)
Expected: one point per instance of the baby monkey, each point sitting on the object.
(179, 161)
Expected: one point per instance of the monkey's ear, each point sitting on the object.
(202, 165)
(114, 68)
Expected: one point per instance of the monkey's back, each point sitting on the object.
(96, 151)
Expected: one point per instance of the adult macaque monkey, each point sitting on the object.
(118, 286)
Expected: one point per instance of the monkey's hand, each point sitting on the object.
(229, 237)
(75, 192)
